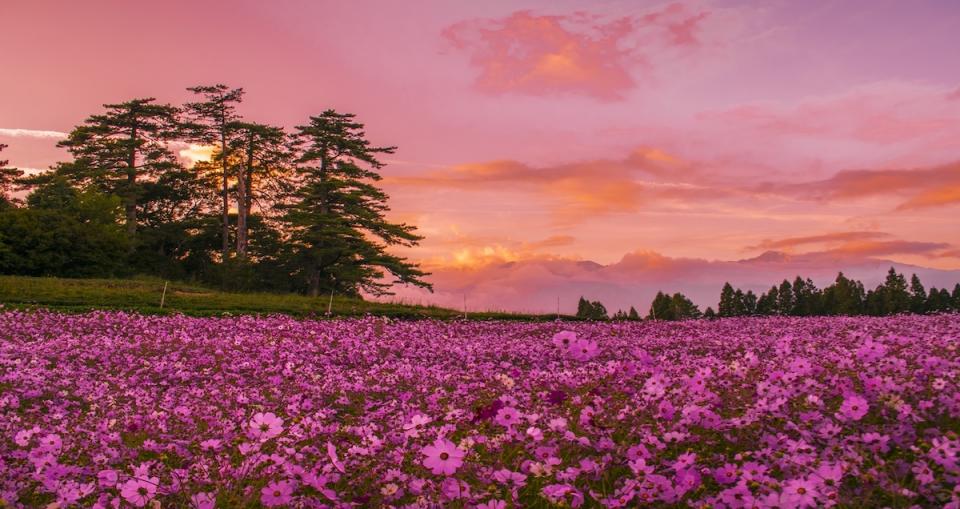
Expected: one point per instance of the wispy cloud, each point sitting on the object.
(31, 133)
(826, 238)
(918, 187)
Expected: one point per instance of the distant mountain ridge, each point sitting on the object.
(535, 285)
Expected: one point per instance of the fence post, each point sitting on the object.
(163, 296)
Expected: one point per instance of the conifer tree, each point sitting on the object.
(633, 315)
(727, 305)
(120, 151)
(214, 121)
(263, 168)
(338, 232)
(918, 296)
(895, 297)
(785, 298)
(750, 303)
(8, 176)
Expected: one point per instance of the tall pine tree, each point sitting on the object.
(214, 121)
(121, 151)
(261, 153)
(338, 234)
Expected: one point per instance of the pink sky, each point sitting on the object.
(543, 133)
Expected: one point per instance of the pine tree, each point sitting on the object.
(599, 311)
(8, 176)
(785, 298)
(633, 315)
(683, 308)
(338, 234)
(918, 296)
(750, 303)
(263, 168)
(661, 308)
(709, 314)
(767, 303)
(739, 305)
(120, 151)
(727, 305)
(896, 299)
(955, 297)
(214, 121)
(584, 309)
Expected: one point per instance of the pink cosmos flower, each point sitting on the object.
(203, 500)
(443, 457)
(108, 478)
(507, 417)
(210, 445)
(854, 407)
(799, 493)
(264, 426)
(583, 350)
(493, 504)
(277, 493)
(564, 339)
(51, 443)
(412, 429)
(332, 454)
(139, 491)
(534, 433)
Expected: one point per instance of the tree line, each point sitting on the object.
(844, 296)
(270, 210)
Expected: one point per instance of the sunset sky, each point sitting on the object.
(657, 140)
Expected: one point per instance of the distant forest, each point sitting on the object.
(800, 298)
(271, 210)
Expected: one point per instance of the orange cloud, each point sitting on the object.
(578, 53)
(934, 197)
(594, 187)
(827, 238)
(925, 187)
(889, 247)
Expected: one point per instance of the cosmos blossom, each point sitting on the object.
(139, 491)
(264, 426)
(277, 493)
(443, 457)
(854, 407)
(245, 410)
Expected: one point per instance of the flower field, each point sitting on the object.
(117, 410)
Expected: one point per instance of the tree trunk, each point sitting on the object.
(130, 200)
(225, 194)
(242, 202)
(314, 289)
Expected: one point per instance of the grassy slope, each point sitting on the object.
(143, 296)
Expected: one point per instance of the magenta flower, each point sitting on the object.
(564, 339)
(203, 500)
(277, 493)
(139, 491)
(507, 417)
(854, 407)
(107, 478)
(265, 426)
(443, 457)
(583, 350)
(799, 493)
